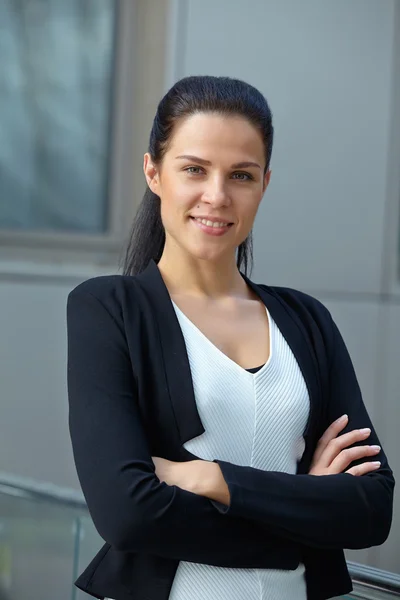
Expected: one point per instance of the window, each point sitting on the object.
(79, 86)
(55, 107)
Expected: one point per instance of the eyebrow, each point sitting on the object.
(201, 161)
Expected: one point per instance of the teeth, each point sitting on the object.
(211, 223)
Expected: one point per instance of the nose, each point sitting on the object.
(216, 192)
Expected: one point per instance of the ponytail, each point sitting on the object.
(147, 236)
(191, 95)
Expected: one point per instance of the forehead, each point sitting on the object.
(215, 133)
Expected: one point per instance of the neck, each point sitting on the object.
(185, 274)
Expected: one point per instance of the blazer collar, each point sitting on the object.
(176, 362)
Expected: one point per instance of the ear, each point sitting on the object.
(151, 174)
(267, 178)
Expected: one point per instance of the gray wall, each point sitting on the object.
(34, 438)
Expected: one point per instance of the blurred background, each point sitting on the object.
(79, 84)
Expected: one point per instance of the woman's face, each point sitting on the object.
(211, 182)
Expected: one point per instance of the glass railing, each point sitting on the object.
(47, 538)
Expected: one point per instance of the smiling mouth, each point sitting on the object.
(214, 224)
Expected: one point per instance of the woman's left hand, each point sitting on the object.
(200, 477)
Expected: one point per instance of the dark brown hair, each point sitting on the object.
(222, 95)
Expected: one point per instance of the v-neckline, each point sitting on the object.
(221, 353)
(283, 306)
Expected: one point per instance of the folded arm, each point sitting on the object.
(130, 507)
(329, 511)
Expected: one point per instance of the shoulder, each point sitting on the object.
(315, 320)
(311, 311)
(113, 292)
(295, 297)
(101, 287)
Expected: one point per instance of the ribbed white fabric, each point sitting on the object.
(250, 419)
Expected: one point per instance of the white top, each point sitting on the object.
(250, 419)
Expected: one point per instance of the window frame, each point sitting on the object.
(102, 249)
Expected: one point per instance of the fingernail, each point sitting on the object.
(342, 418)
(377, 448)
(376, 463)
(366, 430)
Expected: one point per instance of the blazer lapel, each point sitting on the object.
(296, 336)
(176, 361)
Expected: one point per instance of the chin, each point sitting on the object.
(208, 254)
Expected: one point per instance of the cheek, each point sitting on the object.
(174, 207)
(178, 198)
(247, 206)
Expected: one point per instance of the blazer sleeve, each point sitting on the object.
(131, 509)
(331, 511)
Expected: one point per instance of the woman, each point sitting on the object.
(218, 429)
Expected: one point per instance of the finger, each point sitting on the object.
(346, 457)
(364, 468)
(351, 437)
(335, 427)
(331, 433)
(336, 446)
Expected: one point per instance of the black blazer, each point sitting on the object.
(131, 397)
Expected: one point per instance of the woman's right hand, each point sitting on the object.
(333, 454)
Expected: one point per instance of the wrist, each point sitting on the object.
(214, 485)
(191, 476)
(201, 477)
